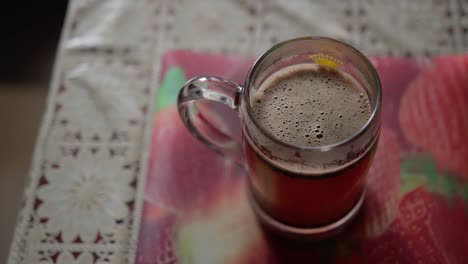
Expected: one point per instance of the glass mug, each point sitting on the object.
(306, 191)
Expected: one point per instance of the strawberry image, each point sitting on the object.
(156, 240)
(447, 219)
(196, 208)
(410, 239)
(182, 170)
(214, 222)
(223, 231)
(380, 207)
(449, 226)
(395, 76)
(433, 113)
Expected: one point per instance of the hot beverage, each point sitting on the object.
(307, 105)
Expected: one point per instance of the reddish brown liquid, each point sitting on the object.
(306, 201)
(309, 106)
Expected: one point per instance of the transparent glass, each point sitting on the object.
(299, 190)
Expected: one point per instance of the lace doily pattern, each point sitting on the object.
(409, 28)
(219, 26)
(84, 194)
(395, 28)
(82, 201)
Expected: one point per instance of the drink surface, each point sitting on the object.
(311, 105)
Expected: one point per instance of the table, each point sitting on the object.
(83, 200)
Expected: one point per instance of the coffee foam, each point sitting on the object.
(311, 105)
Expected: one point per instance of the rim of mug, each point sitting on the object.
(345, 141)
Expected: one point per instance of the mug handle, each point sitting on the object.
(218, 90)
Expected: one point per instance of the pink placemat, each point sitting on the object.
(416, 210)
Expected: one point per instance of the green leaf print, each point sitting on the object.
(170, 87)
(421, 169)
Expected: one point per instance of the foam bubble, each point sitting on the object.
(309, 105)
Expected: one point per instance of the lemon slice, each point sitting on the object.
(326, 60)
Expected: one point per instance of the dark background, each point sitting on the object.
(29, 34)
(29, 31)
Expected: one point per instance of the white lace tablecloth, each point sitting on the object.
(83, 200)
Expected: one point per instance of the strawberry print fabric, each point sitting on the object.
(416, 208)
